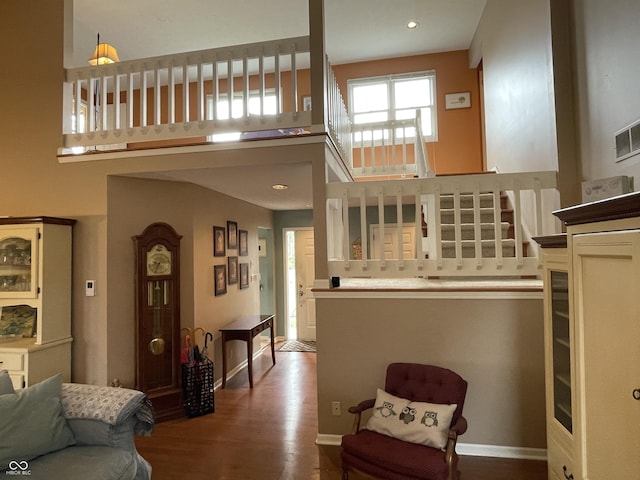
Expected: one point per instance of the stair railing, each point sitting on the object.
(377, 220)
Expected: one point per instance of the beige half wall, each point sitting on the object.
(493, 340)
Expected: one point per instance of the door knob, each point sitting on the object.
(636, 394)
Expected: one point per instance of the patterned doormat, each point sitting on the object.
(298, 346)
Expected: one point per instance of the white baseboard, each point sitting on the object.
(330, 440)
(469, 449)
(524, 453)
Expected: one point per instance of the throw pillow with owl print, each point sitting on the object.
(417, 422)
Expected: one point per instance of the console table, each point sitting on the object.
(245, 329)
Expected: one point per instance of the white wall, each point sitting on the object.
(514, 42)
(607, 74)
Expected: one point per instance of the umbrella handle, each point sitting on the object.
(206, 337)
(196, 330)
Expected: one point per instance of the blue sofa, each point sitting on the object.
(72, 431)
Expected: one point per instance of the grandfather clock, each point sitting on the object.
(158, 319)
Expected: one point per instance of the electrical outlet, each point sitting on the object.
(336, 409)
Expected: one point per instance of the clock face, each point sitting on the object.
(158, 260)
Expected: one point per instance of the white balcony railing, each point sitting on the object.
(390, 148)
(146, 100)
(376, 229)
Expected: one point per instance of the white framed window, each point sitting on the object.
(394, 97)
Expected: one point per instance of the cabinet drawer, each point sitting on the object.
(11, 361)
(560, 462)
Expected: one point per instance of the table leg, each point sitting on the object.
(224, 360)
(273, 346)
(250, 359)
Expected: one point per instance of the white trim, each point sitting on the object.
(466, 449)
(328, 439)
(458, 295)
(295, 230)
(524, 453)
(185, 149)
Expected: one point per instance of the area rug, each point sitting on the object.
(298, 346)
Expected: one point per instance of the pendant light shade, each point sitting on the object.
(104, 54)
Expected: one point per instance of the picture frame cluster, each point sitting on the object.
(233, 271)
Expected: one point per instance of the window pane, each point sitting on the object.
(370, 117)
(405, 114)
(367, 98)
(369, 135)
(427, 125)
(412, 93)
(268, 108)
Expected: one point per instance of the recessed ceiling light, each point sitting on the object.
(412, 25)
(279, 186)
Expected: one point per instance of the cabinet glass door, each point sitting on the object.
(18, 251)
(561, 349)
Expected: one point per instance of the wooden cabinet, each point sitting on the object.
(593, 408)
(35, 298)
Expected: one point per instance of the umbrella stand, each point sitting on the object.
(197, 381)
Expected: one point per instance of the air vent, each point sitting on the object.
(628, 142)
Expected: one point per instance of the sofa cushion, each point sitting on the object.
(85, 463)
(6, 385)
(416, 422)
(32, 423)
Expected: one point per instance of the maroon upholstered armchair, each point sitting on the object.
(388, 457)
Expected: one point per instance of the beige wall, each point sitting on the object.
(496, 345)
(192, 211)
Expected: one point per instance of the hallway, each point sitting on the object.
(269, 432)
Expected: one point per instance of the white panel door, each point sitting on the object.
(390, 244)
(305, 276)
(607, 276)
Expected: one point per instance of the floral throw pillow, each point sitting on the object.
(416, 422)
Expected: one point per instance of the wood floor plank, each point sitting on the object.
(269, 433)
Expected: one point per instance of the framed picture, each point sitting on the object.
(218, 242)
(306, 103)
(244, 275)
(233, 269)
(457, 100)
(244, 242)
(219, 279)
(232, 235)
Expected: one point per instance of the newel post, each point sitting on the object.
(318, 61)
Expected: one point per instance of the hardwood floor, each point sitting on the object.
(269, 432)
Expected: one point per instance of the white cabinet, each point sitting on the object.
(35, 298)
(606, 268)
(594, 434)
(560, 380)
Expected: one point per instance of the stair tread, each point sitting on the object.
(505, 241)
(471, 209)
(472, 225)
